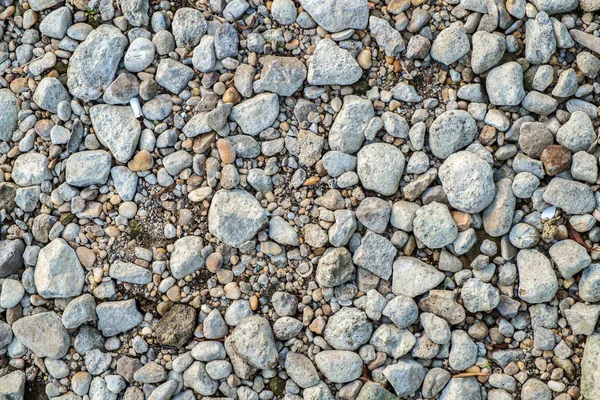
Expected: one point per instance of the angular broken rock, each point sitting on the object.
(375, 254)
(412, 277)
(11, 256)
(253, 341)
(176, 327)
(235, 216)
(332, 65)
(335, 267)
(186, 257)
(281, 75)
(58, 273)
(257, 113)
(347, 132)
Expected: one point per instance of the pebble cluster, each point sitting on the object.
(299, 199)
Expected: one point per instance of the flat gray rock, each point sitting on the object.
(44, 334)
(49, 93)
(254, 343)
(130, 273)
(405, 376)
(31, 169)
(337, 15)
(12, 385)
(451, 44)
(412, 277)
(573, 197)
(339, 366)
(188, 27)
(80, 310)
(116, 317)
(87, 168)
(281, 75)
(173, 75)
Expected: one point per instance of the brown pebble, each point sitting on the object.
(142, 161)
(556, 159)
(214, 262)
(226, 151)
(231, 96)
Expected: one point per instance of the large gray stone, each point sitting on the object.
(11, 256)
(573, 197)
(235, 216)
(44, 334)
(504, 84)
(467, 181)
(590, 365)
(253, 341)
(412, 277)
(116, 317)
(380, 167)
(257, 113)
(186, 257)
(9, 112)
(173, 75)
(339, 366)
(280, 75)
(498, 216)
(116, 128)
(347, 132)
(332, 65)
(12, 385)
(405, 376)
(451, 44)
(450, 132)
(537, 280)
(348, 329)
(49, 93)
(58, 273)
(93, 65)
(87, 168)
(31, 169)
(337, 15)
(188, 27)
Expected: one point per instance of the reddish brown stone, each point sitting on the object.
(487, 137)
(556, 159)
